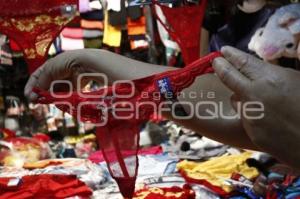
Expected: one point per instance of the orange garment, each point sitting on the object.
(136, 27)
(91, 24)
(40, 164)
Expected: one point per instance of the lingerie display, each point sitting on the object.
(39, 24)
(187, 33)
(118, 131)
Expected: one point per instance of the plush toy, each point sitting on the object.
(281, 35)
(251, 6)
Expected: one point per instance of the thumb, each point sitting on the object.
(57, 68)
(250, 66)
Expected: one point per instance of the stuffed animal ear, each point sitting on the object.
(295, 27)
(291, 21)
(255, 39)
(251, 6)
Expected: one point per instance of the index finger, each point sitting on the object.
(57, 68)
(248, 65)
(31, 83)
(230, 76)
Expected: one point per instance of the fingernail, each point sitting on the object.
(223, 49)
(217, 62)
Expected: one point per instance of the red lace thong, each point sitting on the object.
(34, 24)
(122, 109)
(184, 26)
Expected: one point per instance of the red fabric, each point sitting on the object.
(184, 26)
(14, 46)
(33, 25)
(166, 193)
(214, 188)
(73, 33)
(7, 133)
(97, 156)
(119, 138)
(44, 186)
(42, 137)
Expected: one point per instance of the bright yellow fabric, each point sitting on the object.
(217, 169)
(112, 35)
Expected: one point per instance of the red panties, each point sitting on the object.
(45, 186)
(186, 192)
(121, 116)
(34, 24)
(184, 26)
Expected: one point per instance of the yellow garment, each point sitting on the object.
(217, 169)
(79, 138)
(112, 35)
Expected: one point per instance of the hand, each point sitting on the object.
(277, 88)
(66, 66)
(69, 65)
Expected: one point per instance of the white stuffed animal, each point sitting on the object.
(281, 35)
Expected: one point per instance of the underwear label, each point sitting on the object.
(165, 88)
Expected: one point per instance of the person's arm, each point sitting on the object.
(70, 64)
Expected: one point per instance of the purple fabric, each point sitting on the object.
(84, 6)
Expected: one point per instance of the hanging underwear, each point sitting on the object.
(33, 25)
(184, 26)
(119, 137)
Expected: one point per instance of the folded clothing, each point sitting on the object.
(93, 43)
(87, 24)
(84, 6)
(138, 44)
(134, 12)
(114, 5)
(95, 5)
(137, 27)
(137, 37)
(112, 35)
(43, 186)
(95, 15)
(214, 172)
(167, 193)
(91, 174)
(74, 33)
(41, 164)
(118, 18)
(91, 34)
(71, 44)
